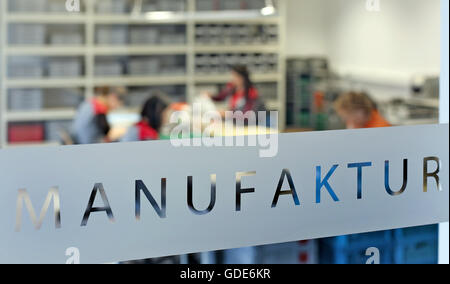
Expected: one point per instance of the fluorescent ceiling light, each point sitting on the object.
(159, 16)
(268, 11)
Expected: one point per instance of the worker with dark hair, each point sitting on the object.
(152, 115)
(240, 91)
(90, 124)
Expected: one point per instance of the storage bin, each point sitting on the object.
(112, 35)
(64, 67)
(25, 132)
(354, 254)
(417, 245)
(144, 35)
(172, 5)
(108, 68)
(112, 6)
(25, 67)
(62, 98)
(143, 66)
(25, 99)
(208, 5)
(416, 252)
(27, 5)
(66, 38)
(23, 34)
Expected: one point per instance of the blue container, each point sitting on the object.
(418, 245)
(354, 255)
(351, 249)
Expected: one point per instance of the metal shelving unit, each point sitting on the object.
(89, 19)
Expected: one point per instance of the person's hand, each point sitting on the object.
(207, 95)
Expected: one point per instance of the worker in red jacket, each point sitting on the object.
(240, 91)
(152, 116)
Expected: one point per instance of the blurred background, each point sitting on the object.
(301, 56)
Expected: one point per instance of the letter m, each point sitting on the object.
(23, 197)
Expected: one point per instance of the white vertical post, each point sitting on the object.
(3, 71)
(444, 117)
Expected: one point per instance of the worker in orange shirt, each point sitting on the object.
(358, 110)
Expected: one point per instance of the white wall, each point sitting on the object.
(306, 30)
(403, 37)
(402, 40)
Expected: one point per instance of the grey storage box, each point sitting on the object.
(112, 6)
(25, 67)
(115, 35)
(108, 68)
(27, 34)
(66, 38)
(25, 99)
(143, 66)
(64, 67)
(27, 5)
(144, 35)
(62, 98)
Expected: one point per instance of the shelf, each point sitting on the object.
(141, 80)
(248, 48)
(233, 16)
(167, 17)
(56, 114)
(140, 49)
(224, 78)
(46, 83)
(46, 18)
(140, 19)
(88, 22)
(49, 50)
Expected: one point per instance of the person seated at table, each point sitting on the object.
(152, 118)
(240, 92)
(358, 110)
(90, 124)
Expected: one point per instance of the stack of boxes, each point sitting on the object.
(27, 5)
(112, 35)
(214, 5)
(220, 63)
(112, 6)
(236, 34)
(25, 67)
(22, 34)
(144, 35)
(138, 66)
(64, 67)
(418, 245)
(25, 99)
(108, 66)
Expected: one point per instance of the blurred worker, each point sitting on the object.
(153, 116)
(240, 92)
(90, 124)
(358, 110)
